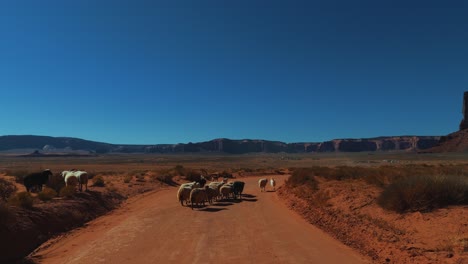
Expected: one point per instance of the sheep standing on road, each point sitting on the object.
(184, 195)
(262, 184)
(273, 184)
(211, 193)
(238, 188)
(198, 196)
(225, 191)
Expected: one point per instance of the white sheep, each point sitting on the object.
(273, 184)
(262, 184)
(183, 195)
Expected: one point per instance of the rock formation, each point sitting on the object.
(464, 122)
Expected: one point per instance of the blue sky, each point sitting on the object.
(178, 71)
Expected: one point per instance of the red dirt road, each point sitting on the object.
(155, 228)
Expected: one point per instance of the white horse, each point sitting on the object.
(273, 184)
(80, 176)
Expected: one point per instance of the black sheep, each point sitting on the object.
(238, 188)
(36, 179)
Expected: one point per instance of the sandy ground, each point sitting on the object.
(155, 228)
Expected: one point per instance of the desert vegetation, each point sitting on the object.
(382, 210)
(406, 185)
(405, 188)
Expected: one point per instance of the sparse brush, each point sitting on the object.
(140, 178)
(47, 194)
(18, 174)
(68, 191)
(225, 174)
(179, 170)
(128, 178)
(111, 188)
(165, 178)
(23, 199)
(193, 175)
(303, 177)
(424, 193)
(7, 188)
(98, 181)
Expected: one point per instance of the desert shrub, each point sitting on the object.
(140, 178)
(302, 177)
(165, 178)
(7, 188)
(424, 193)
(23, 199)
(47, 194)
(193, 175)
(111, 188)
(68, 191)
(225, 174)
(128, 178)
(98, 181)
(179, 170)
(56, 182)
(18, 174)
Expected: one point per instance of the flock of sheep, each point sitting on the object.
(197, 193)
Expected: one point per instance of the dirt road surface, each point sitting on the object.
(155, 228)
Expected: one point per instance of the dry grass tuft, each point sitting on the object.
(98, 181)
(68, 191)
(7, 189)
(47, 194)
(424, 193)
(22, 199)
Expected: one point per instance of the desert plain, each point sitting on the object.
(133, 215)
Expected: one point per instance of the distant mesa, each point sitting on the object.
(62, 146)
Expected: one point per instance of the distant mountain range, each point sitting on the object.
(57, 145)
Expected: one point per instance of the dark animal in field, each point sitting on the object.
(262, 184)
(238, 188)
(201, 181)
(36, 179)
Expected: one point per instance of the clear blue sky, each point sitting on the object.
(151, 72)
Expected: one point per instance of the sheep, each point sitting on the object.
(225, 191)
(238, 188)
(191, 185)
(80, 176)
(198, 196)
(201, 181)
(273, 184)
(262, 184)
(211, 193)
(216, 186)
(36, 179)
(183, 195)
